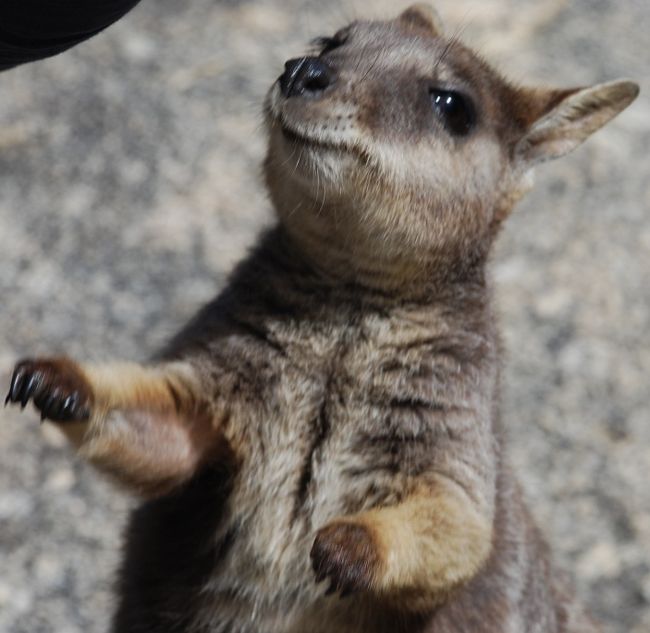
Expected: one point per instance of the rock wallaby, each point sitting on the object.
(319, 450)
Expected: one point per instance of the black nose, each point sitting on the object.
(305, 76)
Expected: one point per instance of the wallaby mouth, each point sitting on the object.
(299, 127)
(301, 139)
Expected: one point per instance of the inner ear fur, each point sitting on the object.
(423, 17)
(557, 121)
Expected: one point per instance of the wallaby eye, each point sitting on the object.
(455, 110)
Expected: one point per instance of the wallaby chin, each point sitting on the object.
(318, 449)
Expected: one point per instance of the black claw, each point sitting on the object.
(48, 405)
(32, 385)
(68, 406)
(70, 409)
(57, 407)
(16, 385)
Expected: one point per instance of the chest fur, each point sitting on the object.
(332, 420)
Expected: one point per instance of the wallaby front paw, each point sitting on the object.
(57, 387)
(345, 553)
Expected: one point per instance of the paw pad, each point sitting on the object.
(346, 554)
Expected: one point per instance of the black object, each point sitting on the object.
(35, 29)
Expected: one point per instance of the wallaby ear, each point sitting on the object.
(568, 117)
(424, 17)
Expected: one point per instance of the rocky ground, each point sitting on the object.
(129, 185)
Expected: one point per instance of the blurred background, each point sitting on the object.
(129, 185)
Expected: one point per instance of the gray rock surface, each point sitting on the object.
(129, 185)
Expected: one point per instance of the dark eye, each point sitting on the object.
(455, 110)
(327, 44)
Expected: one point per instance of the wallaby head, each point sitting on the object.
(396, 151)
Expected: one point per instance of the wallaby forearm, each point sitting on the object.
(147, 426)
(413, 553)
